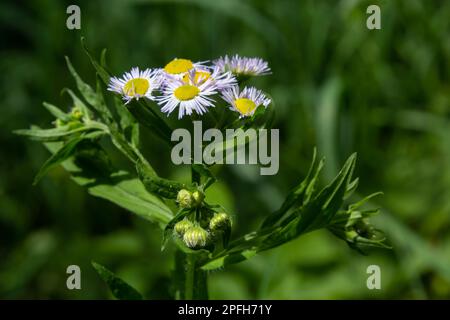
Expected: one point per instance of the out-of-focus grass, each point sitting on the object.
(337, 85)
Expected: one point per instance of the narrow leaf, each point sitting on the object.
(61, 155)
(56, 112)
(119, 288)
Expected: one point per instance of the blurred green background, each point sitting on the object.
(384, 94)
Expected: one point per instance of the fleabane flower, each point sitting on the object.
(136, 84)
(245, 102)
(187, 94)
(242, 66)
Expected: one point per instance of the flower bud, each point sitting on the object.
(76, 113)
(185, 199)
(182, 226)
(219, 221)
(196, 237)
(198, 197)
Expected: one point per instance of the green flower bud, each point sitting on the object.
(198, 197)
(76, 113)
(219, 221)
(182, 226)
(196, 237)
(185, 199)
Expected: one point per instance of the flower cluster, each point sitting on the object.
(200, 226)
(194, 87)
(198, 235)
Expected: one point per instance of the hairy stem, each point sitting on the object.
(190, 281)
(196, 279)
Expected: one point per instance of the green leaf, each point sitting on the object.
(61, 155)
(55, 134)
(101, 106)
(118, 187)
(128, 124)
(78, 103)
(94, 98)
(126, 118)
(119, 288)
(296, 196)
(203, 171)
(99, 67)
(308, 210)
(130, 194)
(240, 249)
(56, 112)
(319, 212)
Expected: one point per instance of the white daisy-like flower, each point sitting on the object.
(242, 66)
(188, 95)
(136, 84)
(245, 102)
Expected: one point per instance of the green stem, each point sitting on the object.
(196, 280)
(190, 281)
(193, 285)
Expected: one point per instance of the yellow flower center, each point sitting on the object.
(138, 86)
(177, 66)
(186, 92)
(199, 75)
(245, 106)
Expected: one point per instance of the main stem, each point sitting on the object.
(195, 284)
(195, 280)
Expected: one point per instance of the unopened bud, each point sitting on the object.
(185, 198)
(182, 226)
(198, 197)
(195, 237)
(76, 113)
(219, 221)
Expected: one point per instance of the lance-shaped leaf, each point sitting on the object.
(99, 67)
(67, 150)
(119, 288)
(78, 103)
(57, 112)
(94, 98)
(316, 210)
(297, 195)
(56, 134)
(203, 171)
(118, 187)
(319, 211)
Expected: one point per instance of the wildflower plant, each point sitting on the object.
(200, 231)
